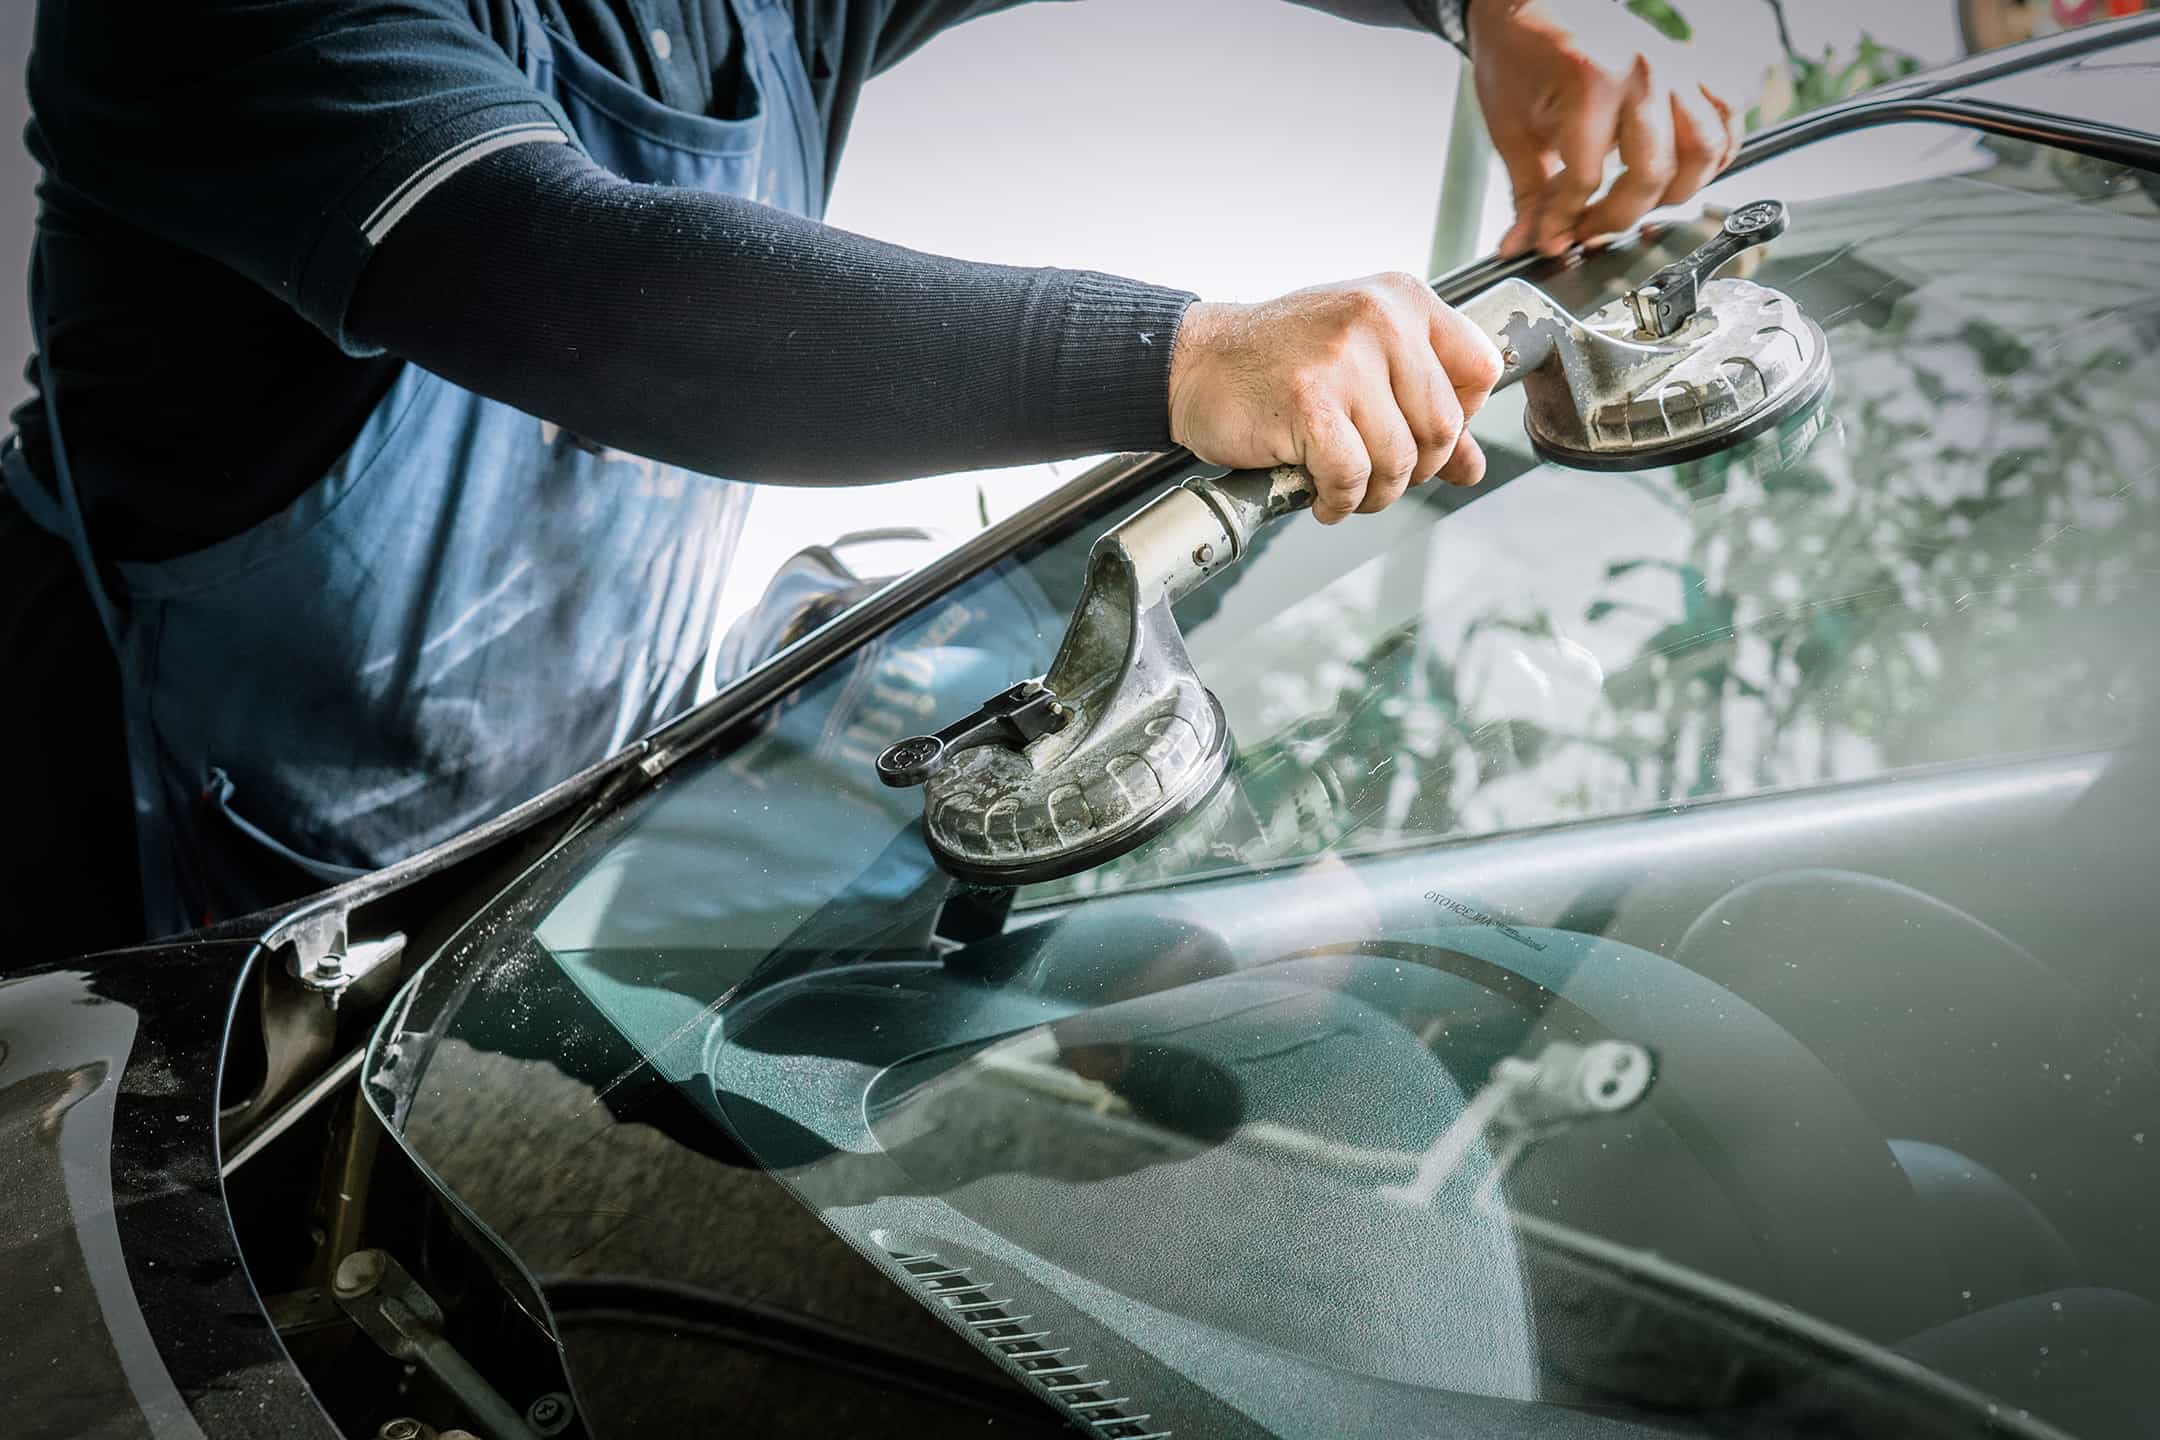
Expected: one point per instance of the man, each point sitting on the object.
(386, 351)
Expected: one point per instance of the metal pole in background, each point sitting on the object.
(1463, 178)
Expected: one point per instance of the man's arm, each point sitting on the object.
(334, 156)
(739, 340)
(735, 339)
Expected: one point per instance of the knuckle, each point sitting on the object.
(1404, 283)
(1476, 363)
(1367, 303)
(1439, 429)
(1394, 458)
(1567, 191)
(1310, 401)
(1482, 367)
(1344, 488)
(1583, 69)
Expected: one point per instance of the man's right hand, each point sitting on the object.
(1366, 384)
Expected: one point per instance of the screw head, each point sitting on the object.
(400, 1429)
(1203, 554)
(331, 966)
(359, 1273)
(550, 1414)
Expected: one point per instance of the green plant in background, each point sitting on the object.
(1800, 83)
(1669, 22)
(1805, 83)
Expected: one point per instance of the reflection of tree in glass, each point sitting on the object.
(1987, 523)
(1800, 82)
(1963, 567)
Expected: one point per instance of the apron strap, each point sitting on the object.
(536, 53)
(60, 514)
(21, 483)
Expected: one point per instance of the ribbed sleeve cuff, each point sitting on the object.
(1110, 381)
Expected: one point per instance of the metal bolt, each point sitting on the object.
(330, 967)
(359, 1273)
(550, 1414)
(1203, 555)
(400, 1429)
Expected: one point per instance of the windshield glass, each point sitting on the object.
(1673, 953)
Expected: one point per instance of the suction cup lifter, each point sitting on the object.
(1120, 739)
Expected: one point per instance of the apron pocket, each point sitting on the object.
(262, 855)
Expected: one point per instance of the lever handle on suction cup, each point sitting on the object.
(1011, 718)
(1667, 300)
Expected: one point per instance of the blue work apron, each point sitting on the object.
(469, 607)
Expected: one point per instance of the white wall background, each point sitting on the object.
(18, 208)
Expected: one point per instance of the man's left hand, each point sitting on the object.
(1566, 83)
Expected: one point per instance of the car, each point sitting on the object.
(1673, 954)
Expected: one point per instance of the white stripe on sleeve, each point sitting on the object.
(399, 203)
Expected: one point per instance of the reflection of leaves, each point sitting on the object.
(1806, 83)
(1801, 479)
(1827, 641)
(1964, 574)
(1663, 17)
(2001, 353)
(1706, 617)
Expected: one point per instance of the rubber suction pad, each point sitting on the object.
(1753, 361)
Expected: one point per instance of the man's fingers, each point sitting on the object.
(1524, 160)
(1467, 354)
(1646, 149)
(1582, 140)
(1698, 144)
(1426, 395)
(1391, 449)
(1333, 450)
(1467, 465)
(1730, 118)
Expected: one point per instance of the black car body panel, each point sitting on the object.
(126, 1308)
